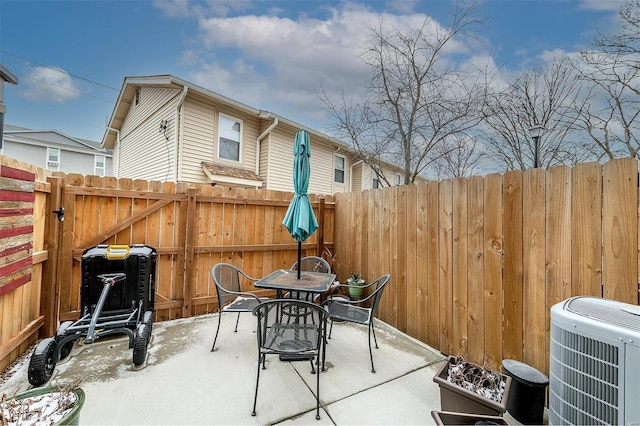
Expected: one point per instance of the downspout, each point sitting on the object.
(351, 174)
(118, 147)
(262, 136)
(176, 131)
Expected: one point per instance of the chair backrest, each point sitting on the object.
(279, 332)
(378, 285)
(227, 280)
(312, 264)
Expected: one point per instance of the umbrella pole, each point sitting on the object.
(299, 252)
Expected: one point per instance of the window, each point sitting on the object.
(376, 182)
(99, 165)
(338, 172)
(53, 159)
(229, 138)
(398, 179)
(137, 96)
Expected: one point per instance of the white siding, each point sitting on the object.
(32, 154)
(145, 153)
(199, 142)
(280, 159)
(356, 178)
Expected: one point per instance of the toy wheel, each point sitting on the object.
(61, 333)
(140, 341)
(41, 365)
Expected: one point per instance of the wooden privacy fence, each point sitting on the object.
(477, 263)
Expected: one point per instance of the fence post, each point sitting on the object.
(189, 270)
(50, 290)
(321, 221)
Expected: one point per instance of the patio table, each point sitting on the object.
(284, 280)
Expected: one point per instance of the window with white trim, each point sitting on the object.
(398, 179)
(376, 182)
(338, 169)
(229, 138)
(99, 162)
(53, 159)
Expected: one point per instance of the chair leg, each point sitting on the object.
(255, 398)
(330, 329)
(373, 370)
(374, 334)
(237, 321)
(213, 348)
(318, 396)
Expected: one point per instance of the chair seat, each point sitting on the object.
(243, 304)
(292, 338)
(344, 312)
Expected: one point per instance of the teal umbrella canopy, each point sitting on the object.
(300, 220)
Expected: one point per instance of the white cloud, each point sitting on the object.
(45, 84)
(286, 61)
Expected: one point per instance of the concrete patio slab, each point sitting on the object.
(183, 382)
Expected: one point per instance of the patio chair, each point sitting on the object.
(231, 298)
(360, 311)
(298, 339)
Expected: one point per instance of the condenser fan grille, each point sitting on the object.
(585, 389)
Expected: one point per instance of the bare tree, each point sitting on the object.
(549, 96)
(416, 99)
(612, 68)
(459, 157)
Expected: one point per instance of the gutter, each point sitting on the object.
(176, 131)
(264, 114)
(117, 174)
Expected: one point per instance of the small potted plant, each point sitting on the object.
(356, 282)
(469, 388)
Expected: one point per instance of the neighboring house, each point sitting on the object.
(56, 151)
(167, 129)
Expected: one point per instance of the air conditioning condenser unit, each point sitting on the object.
(594, 369)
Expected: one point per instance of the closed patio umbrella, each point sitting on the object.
(300, 220)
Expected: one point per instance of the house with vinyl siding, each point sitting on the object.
(167, 129)
(55, 151)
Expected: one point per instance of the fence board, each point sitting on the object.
(475, 269)
(445, 278)
(512, 225)
(400, 258)
(414, 292)
(534, 335)
(586, 230)
(558, 250)
(433, 259)
(620, 229)
(459, 231)
(493, 271)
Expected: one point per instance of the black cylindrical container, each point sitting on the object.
(527, 396)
